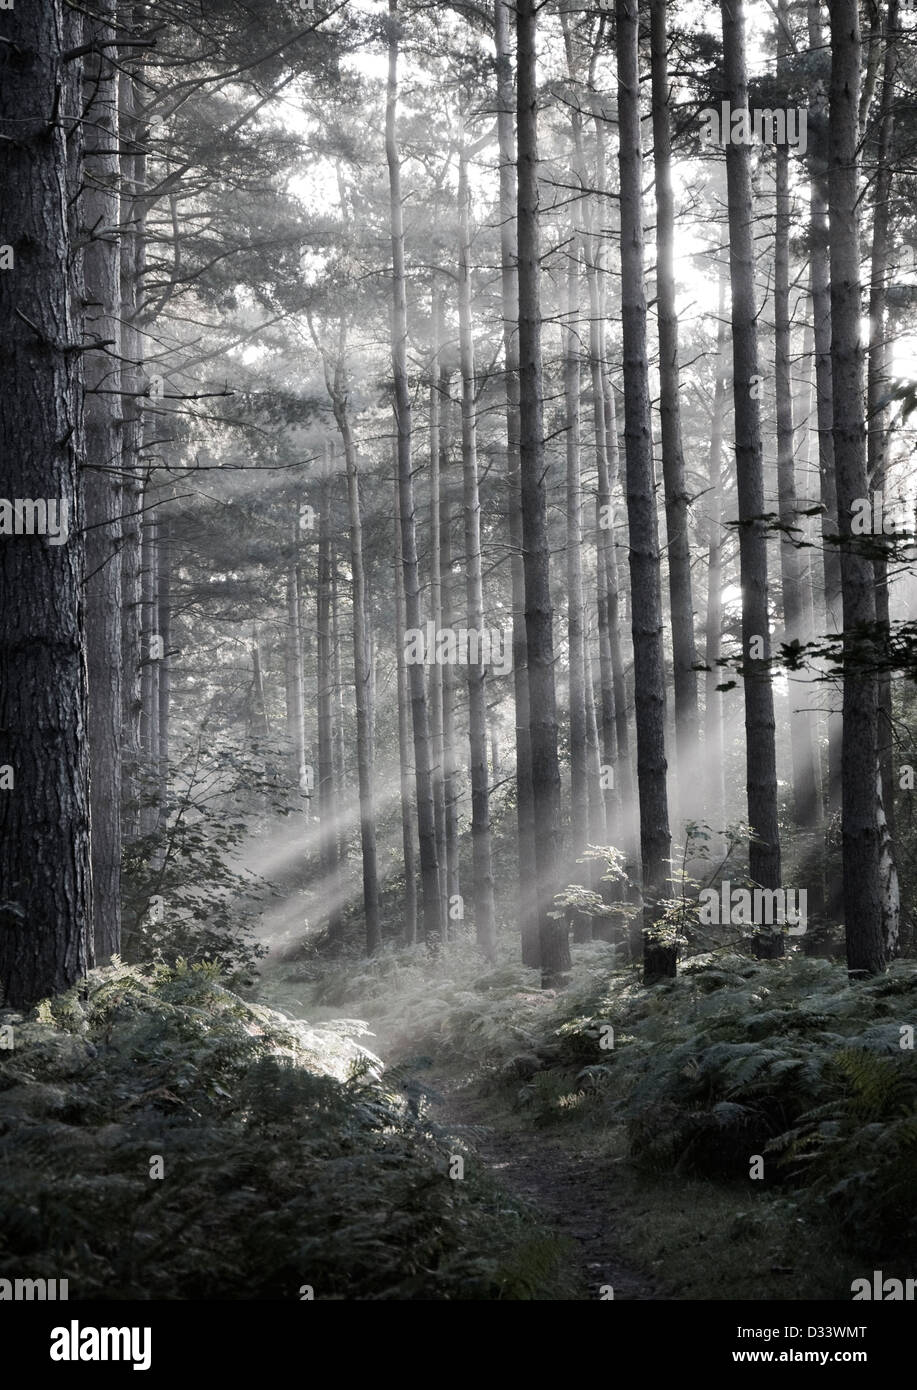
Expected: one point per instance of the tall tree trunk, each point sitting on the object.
(328, 796)
(426, 819)
(620, 800)
(681, 599)
(606, 685)
(803, 754)
(614, 694)
(552, 932)
(370, 664)
(877, 383)
(474, 593)
(45, 876)
(576, 610)
(760, 747)
(340, 761)
(714, 731)
(451, 766)
(659, 958)
(579, 792)
(525, 826)
(100, 209)
(149, 672)
(295, 691)
(805, 407)
(861, 840)
(164, 692)
(821, 325)
(132, 219)
(362, 686)
(594, 759)
(258, 719)
(496, 760)
(872, 45)
(404, 737)
(436, 601)
(608, 474)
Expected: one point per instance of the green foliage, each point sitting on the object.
(858, 1148)
(184, 892)
(679, 922)
(804, 1068)
(533, 1266)
(734, 1057)
(577, 898)
(453, 1008)
(549, 1097)
(288, 1159)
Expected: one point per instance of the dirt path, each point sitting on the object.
(571, 1191)
(567, 1188)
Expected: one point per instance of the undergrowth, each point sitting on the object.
(288, 1158)
(736, 1058)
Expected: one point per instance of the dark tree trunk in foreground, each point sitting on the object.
(760, 746)
(45, 897)
(861, 840)
(552, 933)
(659, 959)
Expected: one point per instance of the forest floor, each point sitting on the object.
(744, 1131)
(635, 1162)
(569, 1187)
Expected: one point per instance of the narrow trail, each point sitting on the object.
(570, 1191)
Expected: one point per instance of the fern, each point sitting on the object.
(289, 1157)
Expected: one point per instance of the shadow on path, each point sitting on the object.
(569, 1190)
